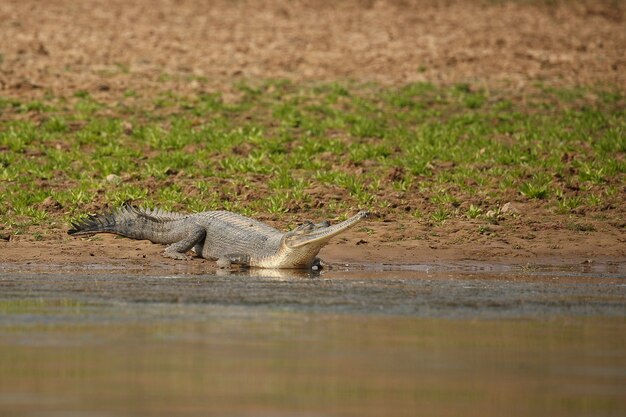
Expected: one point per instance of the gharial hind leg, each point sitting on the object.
(197, 250)
(179, 249)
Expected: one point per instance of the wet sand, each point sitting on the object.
(369, 340)
(465, 291)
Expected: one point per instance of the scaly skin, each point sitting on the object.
(226, 237)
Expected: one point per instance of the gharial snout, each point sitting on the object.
(310, 233)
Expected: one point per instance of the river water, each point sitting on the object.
(369, 340)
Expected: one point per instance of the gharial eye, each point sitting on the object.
(304, 227)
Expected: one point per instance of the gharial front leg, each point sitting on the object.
(207, 248)
(226, 261)
(179, 249)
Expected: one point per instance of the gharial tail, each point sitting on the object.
(126, 221)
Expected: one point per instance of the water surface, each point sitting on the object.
(370, 342)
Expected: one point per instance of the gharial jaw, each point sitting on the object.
(299, 247)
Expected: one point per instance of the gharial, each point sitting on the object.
(228, 238)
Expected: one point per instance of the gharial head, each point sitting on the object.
(300, 246)
(314, 236)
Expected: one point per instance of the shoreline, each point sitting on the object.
(375, 245)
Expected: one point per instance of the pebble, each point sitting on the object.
(113, 179)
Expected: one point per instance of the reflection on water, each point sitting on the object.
(118, 346)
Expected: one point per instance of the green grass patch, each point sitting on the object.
(432, 152)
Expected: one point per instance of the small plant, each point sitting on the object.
(494, 216)
(610, 191)
(443, 198)
(78, 197)
(367, 127)
(484, 230)
(535, 190)
(128, 193)
(440, 215)
(567, 204)
(473, 211)
(38, 216)
(276, 204)
(592, 173)
(402, 185)
(170, 193)
(594, 200)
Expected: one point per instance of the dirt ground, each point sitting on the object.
(107, 48)
(61, 46)
(393, 243)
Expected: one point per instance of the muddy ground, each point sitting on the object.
(107, 48)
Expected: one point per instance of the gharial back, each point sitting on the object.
(230, 233)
